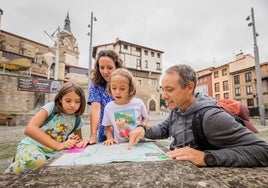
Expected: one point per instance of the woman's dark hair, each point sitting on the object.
(97, 78)
(67, 88)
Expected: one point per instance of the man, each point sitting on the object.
(238, 146)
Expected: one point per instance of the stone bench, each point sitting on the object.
(169, 173)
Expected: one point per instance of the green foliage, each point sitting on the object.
(162, 102)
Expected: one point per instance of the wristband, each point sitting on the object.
(143, 126)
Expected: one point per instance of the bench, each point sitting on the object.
(6, 120)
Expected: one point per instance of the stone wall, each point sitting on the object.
(12, 100)
(20, 105)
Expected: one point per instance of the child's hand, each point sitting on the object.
(82, 143)
(85, 142)
(110, 141)
(75, 137)
(92, 140)
(67, 144)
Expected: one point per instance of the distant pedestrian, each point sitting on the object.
(45, 138)
(125, 112)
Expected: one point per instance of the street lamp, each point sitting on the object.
(56, 41)
(257, 68)
(90, 34)
(1, 13)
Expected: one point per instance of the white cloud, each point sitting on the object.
(199, 33)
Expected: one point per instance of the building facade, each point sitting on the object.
(236, 80)
(23, 61)
(204, 82)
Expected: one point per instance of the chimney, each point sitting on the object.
(116, 40)
(240, 55)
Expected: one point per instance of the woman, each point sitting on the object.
(107, 61)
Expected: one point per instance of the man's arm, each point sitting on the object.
(239, 146)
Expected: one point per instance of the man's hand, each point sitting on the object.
(188, 154)
(135, 136)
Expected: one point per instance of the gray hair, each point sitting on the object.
(186, 74)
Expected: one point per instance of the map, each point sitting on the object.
(101, 154)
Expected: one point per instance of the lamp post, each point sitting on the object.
(57, 56)
(257, 69)
(56, 73)
(1, 13)
(90, 34)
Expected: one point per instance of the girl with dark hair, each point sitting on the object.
(46, 136)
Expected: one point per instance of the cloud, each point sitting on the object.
(199, 33)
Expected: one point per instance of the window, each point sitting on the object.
(250, 102)
(146, 64)
(237, 92)
(236, 79)
(139, 83)
(125, 47)
(226, 95)
(146, 52)
(248, 76)
(158, 55)
(216, 74)
(138, 49)
(238, 100)
(158, 67)
(217, 96)
(21, 48)
(249, 89)
(138, 63)
(152, 54)
(224, 72)
(152, 82)
(217, 87)
(225, 86)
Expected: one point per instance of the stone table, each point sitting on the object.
(169, 173)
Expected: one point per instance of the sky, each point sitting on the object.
(200, 33)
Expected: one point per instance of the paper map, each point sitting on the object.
(101, 154)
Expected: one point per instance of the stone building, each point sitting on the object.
(235, 80)
(145, 64)
(28, 70)
(44, 58)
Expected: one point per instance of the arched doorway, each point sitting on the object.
(152, 105)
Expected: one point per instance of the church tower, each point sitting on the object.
(68, 49)
(67, 26)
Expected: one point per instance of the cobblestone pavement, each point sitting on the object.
(11, 136)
